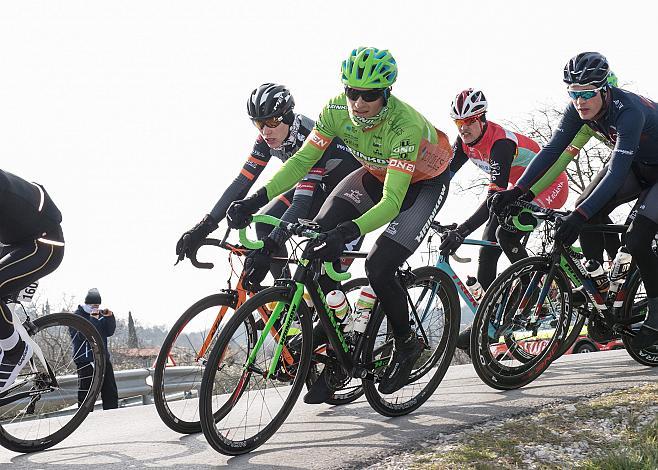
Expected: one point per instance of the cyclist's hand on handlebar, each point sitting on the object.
(258, 263)
(453, 240)
(239, 212)
(333, 243)
(191, 239)
(499, 201)
(569, 228)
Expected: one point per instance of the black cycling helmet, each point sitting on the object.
(270, 100)
(587, 68)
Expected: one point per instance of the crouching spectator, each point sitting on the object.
(105, 323)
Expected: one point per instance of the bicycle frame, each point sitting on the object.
(27, 295)
(444, 265)
(304, 279)
(240, 295)
(568, 260)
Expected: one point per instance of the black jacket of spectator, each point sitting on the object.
(104, 325)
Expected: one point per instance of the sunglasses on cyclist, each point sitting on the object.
(584, 94)
(466, 121)
(269, 122)
(367, 95)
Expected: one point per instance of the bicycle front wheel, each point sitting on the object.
(49, 401)
(182, 358)
(521, 324)
(244, 402)
(434, 298)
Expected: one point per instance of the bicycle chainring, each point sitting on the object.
(599, 331)
(336, 377)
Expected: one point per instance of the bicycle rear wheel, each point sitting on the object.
(514, 337)
(636, 304)
(180, 363)
(242, 405)
(49, 412)
(434, 298)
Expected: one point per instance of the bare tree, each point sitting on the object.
(540, 126)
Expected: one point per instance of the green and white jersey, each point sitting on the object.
(400, 148)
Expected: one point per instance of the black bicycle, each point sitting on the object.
(536, 294)
(249, 391)
(46, 403)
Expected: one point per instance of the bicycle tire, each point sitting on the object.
(175, 421)
(647, 356)
(573, 335)
(488, 366)
(402, 402)
(95, 342)
(220, 356)
(351, 392)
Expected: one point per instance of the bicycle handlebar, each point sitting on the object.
(295, 229)
(207, 242)
(546, 213)
(553, 215)
(442, 228)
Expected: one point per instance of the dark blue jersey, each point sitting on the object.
(629, 123)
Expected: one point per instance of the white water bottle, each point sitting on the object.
(337, 302)
(364, 306)
(475, 288)
(620, 265)
(598, 275)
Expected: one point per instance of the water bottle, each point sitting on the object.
(598, 275)
(364, 306)
(620, 265)
(337, 302)
(475, 288)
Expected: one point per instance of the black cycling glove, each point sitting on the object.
(569, 228)
(190, 240)
(239, 212)
(499, 201)
(453, 240)
(258, 263)
(333, 245)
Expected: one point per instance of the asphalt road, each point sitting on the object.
(327, 437)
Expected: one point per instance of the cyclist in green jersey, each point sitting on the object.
(403, 182)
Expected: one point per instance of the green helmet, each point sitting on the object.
(612, 79)
(369, 67)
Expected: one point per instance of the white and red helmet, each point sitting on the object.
(468, 103)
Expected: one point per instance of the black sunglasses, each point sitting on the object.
(367, 95)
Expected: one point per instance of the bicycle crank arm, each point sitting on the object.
(630, 321)
(360, 372)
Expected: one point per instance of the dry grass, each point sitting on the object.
(614, 431)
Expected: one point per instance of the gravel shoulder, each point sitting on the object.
(617, 430)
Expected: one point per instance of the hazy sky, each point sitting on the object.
(132, 113)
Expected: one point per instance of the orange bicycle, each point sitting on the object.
(183, 355)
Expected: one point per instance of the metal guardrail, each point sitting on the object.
(131, 384)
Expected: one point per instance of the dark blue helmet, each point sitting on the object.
(587, 68)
